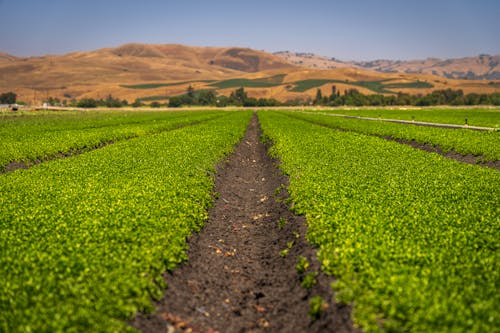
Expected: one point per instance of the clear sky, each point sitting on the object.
(346, 30)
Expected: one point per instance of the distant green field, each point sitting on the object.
(159, 85)
(375, 86)
(415, 85)
(267, 82)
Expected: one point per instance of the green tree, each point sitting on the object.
(87, 103)
(319, 97)
(238, 97)
(137, 103)
(8, 98)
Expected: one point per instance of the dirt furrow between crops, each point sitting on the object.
(241, 274)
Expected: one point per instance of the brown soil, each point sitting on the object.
(236, 280)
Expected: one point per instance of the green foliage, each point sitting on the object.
(316, 307)
(464, 141)
(303, 85)
(411, 237)
(474, 116)
(267, 82)
(282, 222)
(159, 85)
(309, 280)
(302, 265)
(413, 85)
(42, 136)
(84, 240)
(8, 98)
(87, 103)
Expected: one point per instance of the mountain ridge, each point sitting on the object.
(481, 67)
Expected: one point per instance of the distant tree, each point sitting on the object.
(54, 101)
(250, 101)
(155, 104)
(207, 97)
(190, 92)
(8, 98)
(238, 96)
(112, 102)
(319, 97)
(87, 103)
(137, 103)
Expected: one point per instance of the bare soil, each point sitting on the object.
(237, 278)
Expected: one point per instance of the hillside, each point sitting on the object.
(157, 72)
(482, 67)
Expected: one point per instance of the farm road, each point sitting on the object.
(235, 279)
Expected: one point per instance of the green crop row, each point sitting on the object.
(38, 137)
(473, 117)
(411, 237)
(480, 143)
(84, 240)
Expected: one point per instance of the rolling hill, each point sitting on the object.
(157, 72)
(482, 67)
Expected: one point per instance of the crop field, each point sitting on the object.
(480, 143)
(96, 206)
(412, 237)
(473, 116)
(83, 240)
(38, 137)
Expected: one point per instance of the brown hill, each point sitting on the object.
(484, 66)
(156, 72)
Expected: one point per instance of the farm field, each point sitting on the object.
(83, 240)
(31, 137)
(473, 116)
(109, 199)
(410, 236)
(483, 144)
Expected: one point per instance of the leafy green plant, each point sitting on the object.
(84, 240)
(282, 222)
(43, 136)
(410, 236)
(302, 265)
(316, 306)
(309, 280)
(463, 141)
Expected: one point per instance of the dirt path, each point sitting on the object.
(236, 279)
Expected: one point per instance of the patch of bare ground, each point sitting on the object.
(241, 274)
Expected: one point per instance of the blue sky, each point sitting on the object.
(347, 30)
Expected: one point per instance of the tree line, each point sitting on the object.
(352, 97)
(239, 97)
